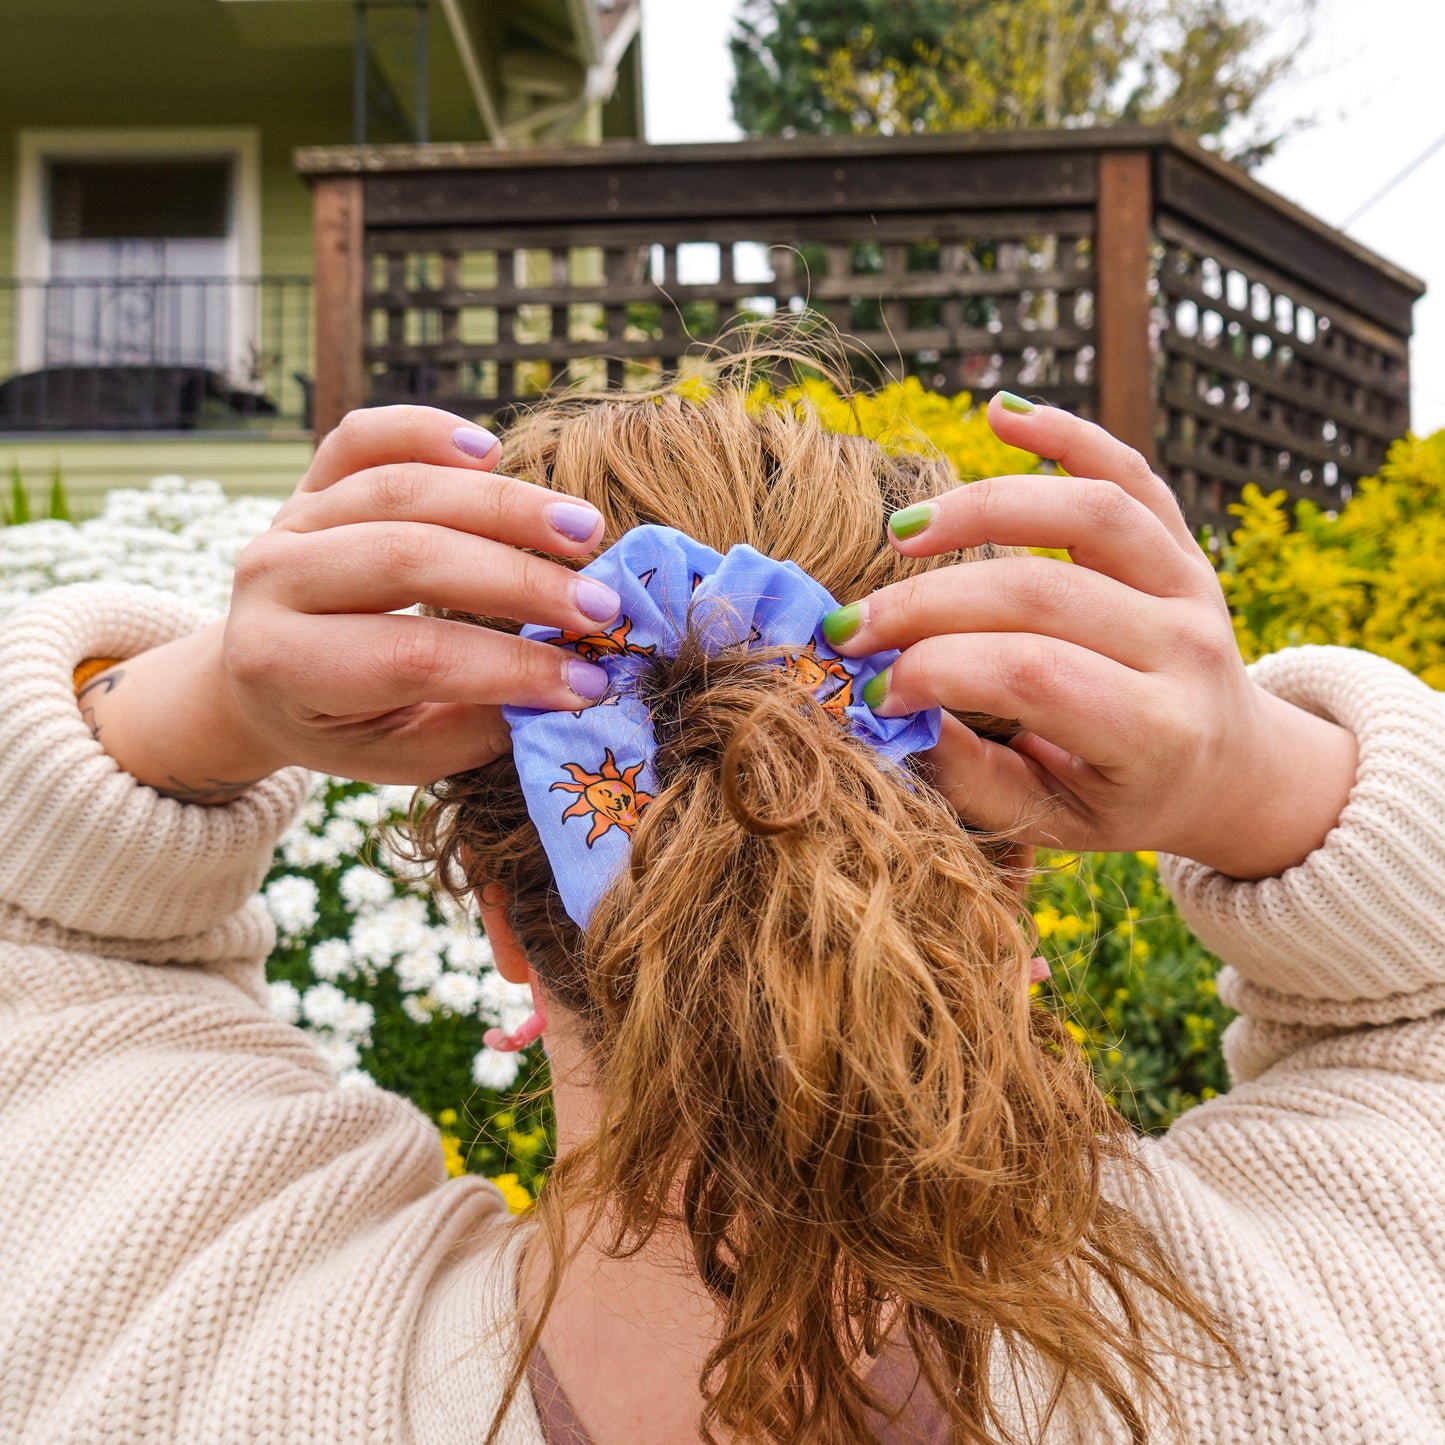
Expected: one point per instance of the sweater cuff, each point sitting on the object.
(1351, 935)
(102, 854)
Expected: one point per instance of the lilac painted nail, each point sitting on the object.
(597, 599)
(586, 680)
(574, 520)
(475, 441)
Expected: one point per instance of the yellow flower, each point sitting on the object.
(1047, 921)
(1076, 1033)
(452, 1154)
(1148, 857)
(514, 1192)
(447, 1118)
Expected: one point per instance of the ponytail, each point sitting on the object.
(805, 1003)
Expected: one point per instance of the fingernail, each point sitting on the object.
(597, 599)
(911, 520)
(1020, 404)
(875, 690)
(843, 622)
(475, 441)
(574, 520)
(586, 679)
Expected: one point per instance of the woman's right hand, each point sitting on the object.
(315, 663)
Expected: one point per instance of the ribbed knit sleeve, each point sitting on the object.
(93, 852)
(203, 1238)
(1351, 935)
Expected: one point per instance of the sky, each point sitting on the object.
(1369, 80)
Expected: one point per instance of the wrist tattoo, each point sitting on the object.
(95, 688)
(208, 791)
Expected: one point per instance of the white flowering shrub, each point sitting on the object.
(393, 985)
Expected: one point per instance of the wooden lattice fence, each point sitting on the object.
(1126, 274)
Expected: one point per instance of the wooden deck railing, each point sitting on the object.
(1124, 273)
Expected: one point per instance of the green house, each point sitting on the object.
(155, 242)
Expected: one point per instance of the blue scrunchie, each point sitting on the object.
(587, 776)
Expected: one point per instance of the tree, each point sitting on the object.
(898, 66)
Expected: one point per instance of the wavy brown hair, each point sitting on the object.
(805, 1001)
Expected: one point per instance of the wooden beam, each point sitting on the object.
(1125, 363)
(340, 283)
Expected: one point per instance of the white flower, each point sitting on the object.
(302, 849)
(325, 1006)
(331, 959)
(506, 1004)
(341, 1054)
(313, 812)
(183, 537)
(395, 797)
(292, 901)
(494, 1070)
(356, 1020)
(283, 1001)
(418, 971)
(457, 992)
(355, 1079)
(469, 952)
(366, 808)
(418, 1007)
(365, 890)
(402, 927)
(345, 834)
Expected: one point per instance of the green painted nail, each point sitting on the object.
(840, 624)
(911, 520)
(1020, 404)
(876, 689)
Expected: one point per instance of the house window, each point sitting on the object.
(141, 261)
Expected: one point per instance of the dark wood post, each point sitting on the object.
(337, 237)
(1125, 363)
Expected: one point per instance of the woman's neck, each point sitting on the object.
(626, 1338)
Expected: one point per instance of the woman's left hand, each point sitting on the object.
(1141, 727)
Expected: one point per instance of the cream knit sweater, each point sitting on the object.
(203, 1239)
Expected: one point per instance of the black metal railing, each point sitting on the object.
(156, 354)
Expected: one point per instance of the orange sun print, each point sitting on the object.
(610, 796)
(594, 646)
(815, 673)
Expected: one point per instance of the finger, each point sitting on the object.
(388, 566)
(988, 785)
(1070, 696)
(1100, 526)
(1084, 449)
(374, 435)
(417, 744)
(346, 666)
(493, 506)
(1010, 594)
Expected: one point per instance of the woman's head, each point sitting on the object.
(804, 1002)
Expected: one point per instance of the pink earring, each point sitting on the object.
(527, 1032)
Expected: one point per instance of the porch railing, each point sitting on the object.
(150, 354)
(1125, 273)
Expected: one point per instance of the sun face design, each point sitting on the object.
(610, 796)
(594, 646)
(815, 673)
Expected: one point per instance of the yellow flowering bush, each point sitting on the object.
(1371, 575)
(1135, 988)
(905, 415)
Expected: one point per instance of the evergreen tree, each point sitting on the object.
(899, 66)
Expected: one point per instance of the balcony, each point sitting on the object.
(156, 355)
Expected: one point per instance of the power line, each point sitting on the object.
(1394, 181)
